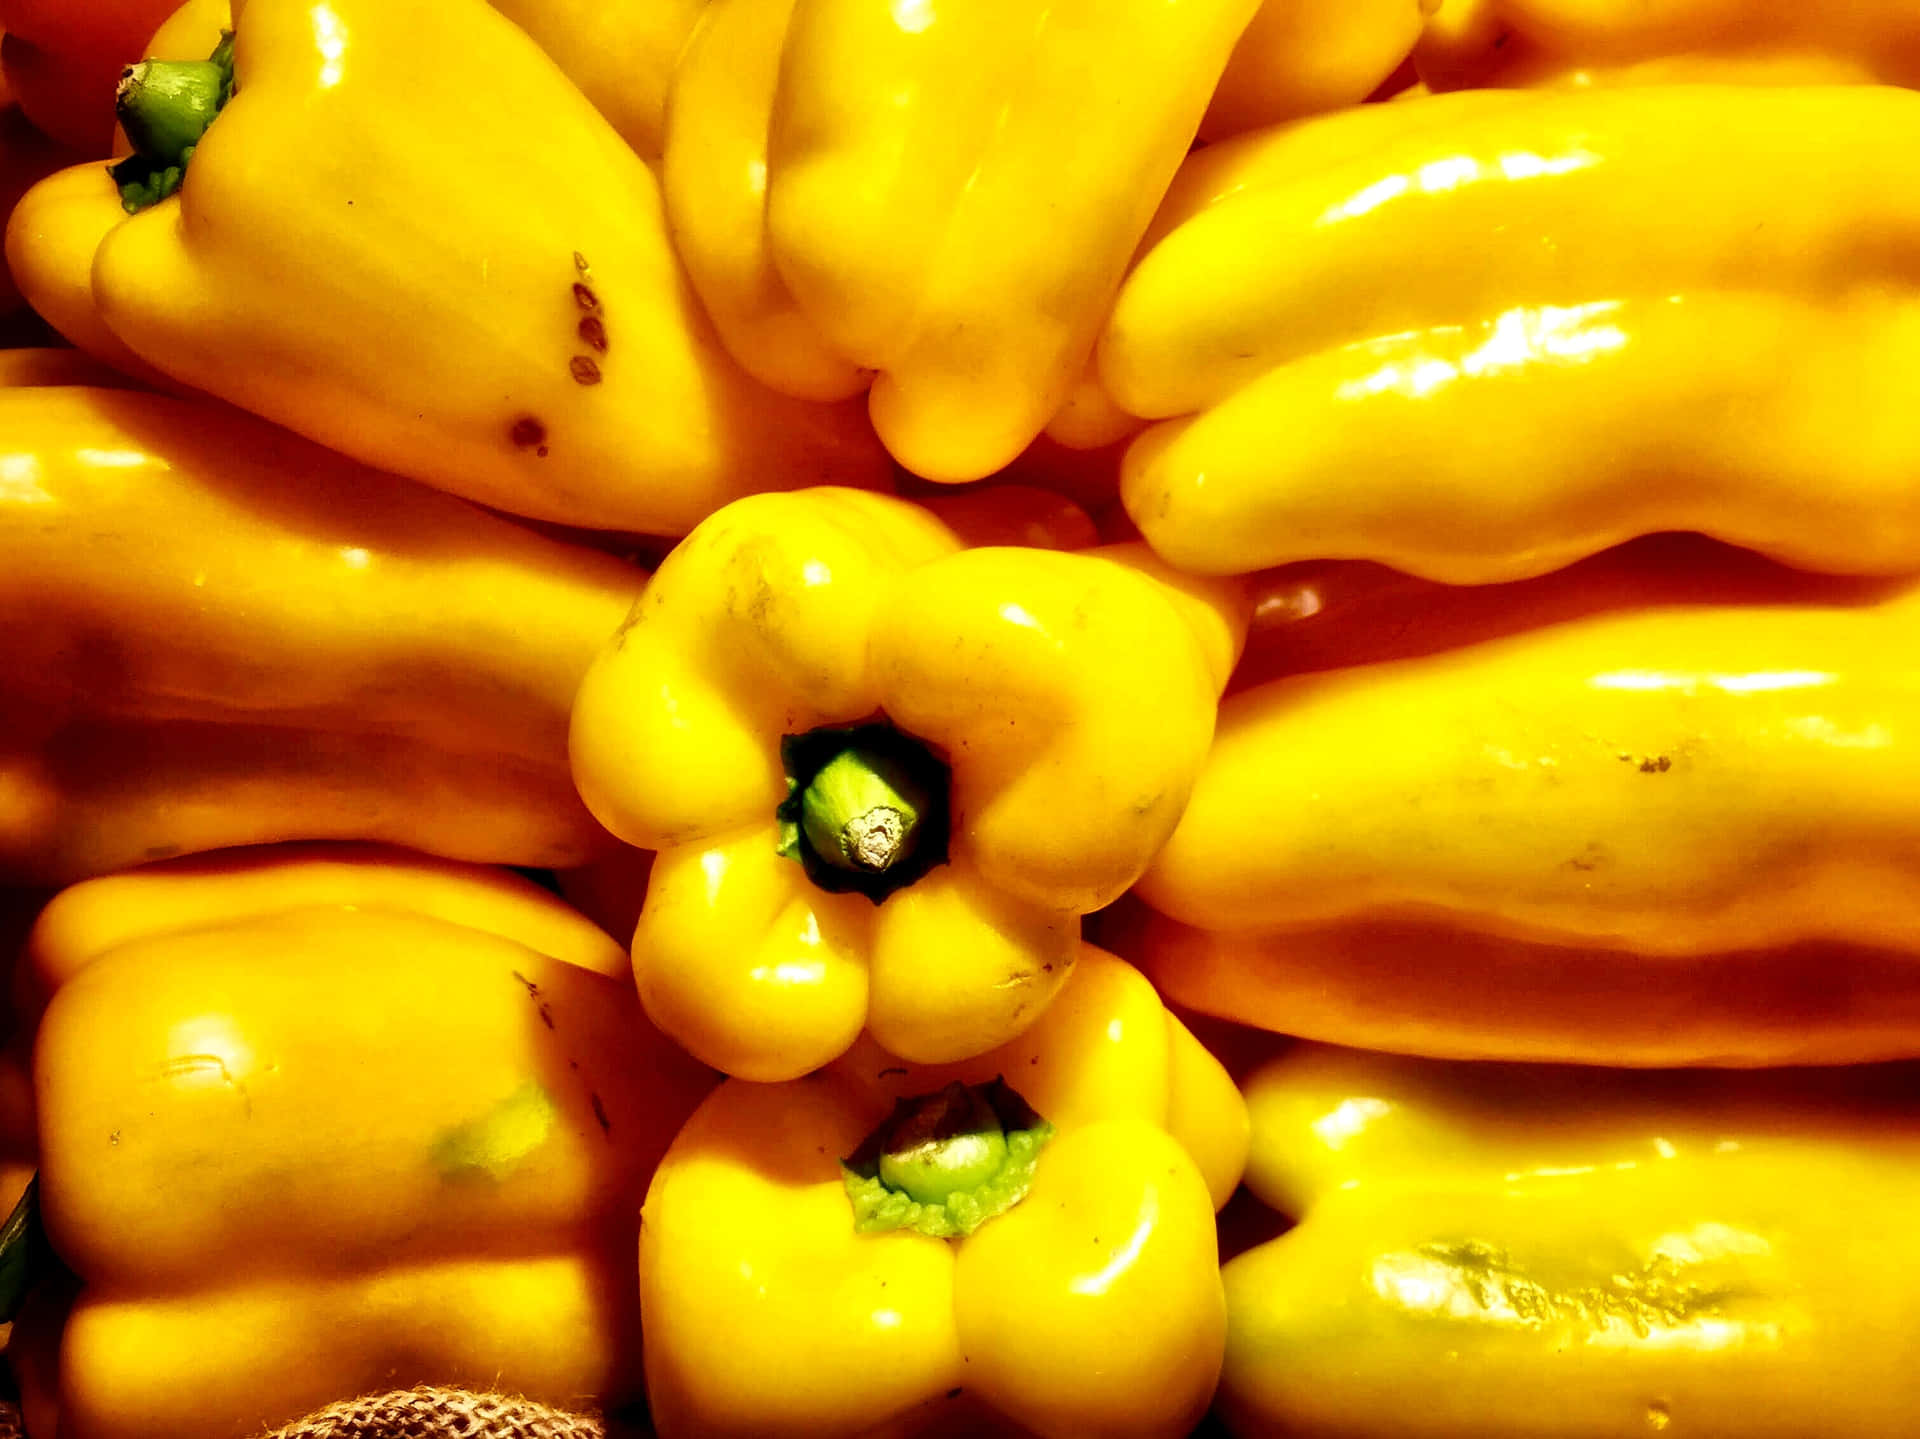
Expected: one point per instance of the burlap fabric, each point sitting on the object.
(427, 1413)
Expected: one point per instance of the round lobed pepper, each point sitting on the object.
(886, 774)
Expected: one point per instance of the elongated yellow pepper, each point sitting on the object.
(952, 195)
(1672, 781)
(241, 637)
(288, 1168)
(886, 773)
(1088, 1304)
(408, 237)
(1358, 308)
(1505, 1252)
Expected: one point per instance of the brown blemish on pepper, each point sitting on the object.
(594, 331)
(1659, 764)
(585, 298)
(579, 262)
(600, 1113)
(585, 371)
(528, 432)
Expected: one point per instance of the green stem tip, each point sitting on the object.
(945, 1163)
(866, 808)
(165, 106)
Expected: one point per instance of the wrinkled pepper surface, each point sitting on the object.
(1076, 1293)
(1673, 781)
(886, 774)
(946, 197)
(1525, 42)
(63, 58)
(467, 283)
(1497, 1252)
(1476, 337)
(308, 1131)
(239, 637)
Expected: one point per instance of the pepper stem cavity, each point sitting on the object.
(866, 809)
(945, 1163)
(165, 107)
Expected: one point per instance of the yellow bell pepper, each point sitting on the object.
(1299, 57)
(1507, 42)
(317, 1128)
(1480, 347)
(887, 774)
(952, 195)
(620, 55)
(1673, 781)
(1075, 1295)
(1508, 1253)
(409, 238)
(240, 637)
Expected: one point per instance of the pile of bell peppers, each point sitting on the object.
(879, 718)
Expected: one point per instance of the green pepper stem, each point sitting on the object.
(862, 811)
(943, 1142)
(165, 106)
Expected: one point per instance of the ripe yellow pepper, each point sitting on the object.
(409, 238)
(886, 774)
(1502, 1253)
(240, 637)
(951, 196)
(1673, 781)
(1508, 42)
(287, 1168)
(1088, 1303)
(1480, 347)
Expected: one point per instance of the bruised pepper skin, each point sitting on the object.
(240, 637)
(1671, 781)
(1071, 696)
(1501, 1252)
(953, 194)
(288, 1167)
(1091, 1306)
(1657, 339)
(334, 263)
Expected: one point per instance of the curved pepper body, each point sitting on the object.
(548, 358)
(221, 655)
(929, 222)
(1656, 342)
(1643, 780)
(1090, 1307)
(1071, 695)
(287, 1168)
(1509, 1252)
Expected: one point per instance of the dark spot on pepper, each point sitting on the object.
(600, 1113)
(546, 1015)
(526, 432)
(1660, 764)
(594, 332)
(532, 988)
(585, 298)
(574, 1065)
(893, 1069)
(579, 262)
(541, 452)
(954, 1393)
(584, 370)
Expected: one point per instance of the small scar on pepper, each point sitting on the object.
(584, 297)
(584, 370)
(528, 433)
(600, 1113)
(593, 331)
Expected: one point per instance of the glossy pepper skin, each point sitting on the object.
(239, 637)
(1657, 341)
(952, 195)
(525, 340)
(1090, 1307)
(1516, 42)
(1498, 1252)
(1672, 781)
(1072, 696)
(303, 1141)
(62, 59)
